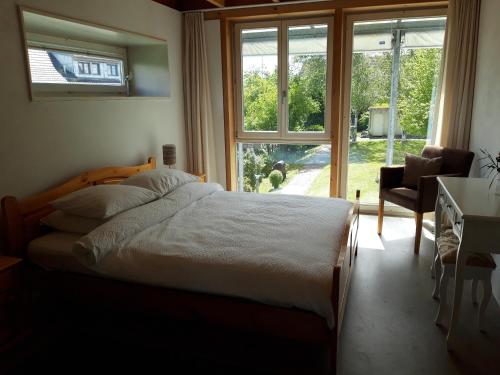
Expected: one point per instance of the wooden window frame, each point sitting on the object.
(241, 134)
(339, 9)
(282, 135)
(346, 91)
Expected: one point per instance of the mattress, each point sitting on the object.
(53, 251)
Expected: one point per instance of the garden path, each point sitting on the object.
(301, 182)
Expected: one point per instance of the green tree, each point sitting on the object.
(301, 104)
(419, 71)
(307, 86)
(306, 96)
(371, 81)
(381, 75)
(260, 101)
(361, 95)
(371, 85)
(313, 72)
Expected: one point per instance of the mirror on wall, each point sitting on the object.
(73, 58)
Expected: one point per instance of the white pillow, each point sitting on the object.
(71, 223)
(161, 180)
(103, 201)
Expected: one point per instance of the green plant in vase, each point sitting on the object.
(492, 167)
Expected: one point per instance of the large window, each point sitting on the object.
(282, 76)
(395, 66)
(283, 72)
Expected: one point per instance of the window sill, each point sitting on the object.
(94, 98)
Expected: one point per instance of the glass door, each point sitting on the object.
(395, 71)
(283, 70)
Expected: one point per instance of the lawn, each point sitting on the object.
(321, 185)
(365, 160)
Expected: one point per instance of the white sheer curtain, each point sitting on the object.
(197, 106)
(457, 92)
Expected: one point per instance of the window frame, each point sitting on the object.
(238, 63)
(283, 135)
(346, 91)
(98, 69)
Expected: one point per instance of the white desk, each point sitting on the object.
(474, 211)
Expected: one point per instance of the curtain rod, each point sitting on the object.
(255, 6)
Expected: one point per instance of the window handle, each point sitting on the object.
(284, 94)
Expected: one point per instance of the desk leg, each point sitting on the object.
(437, 232)
(462, 256)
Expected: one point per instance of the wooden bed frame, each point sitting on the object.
(21, 224)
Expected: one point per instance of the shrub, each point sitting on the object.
(255, 162)
(264, 161)
(252, 165)
(267, 164)
(315, 128)
(363, 121)
(247, 187)
(276, 178)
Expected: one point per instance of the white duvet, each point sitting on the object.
(274, 249)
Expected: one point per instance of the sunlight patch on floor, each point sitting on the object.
(394, 229)
(368, 241)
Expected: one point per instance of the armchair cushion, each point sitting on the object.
(401, 196)
(417, 166)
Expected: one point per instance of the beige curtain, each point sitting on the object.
(457, 92)
(197, 105)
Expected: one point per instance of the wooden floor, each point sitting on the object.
(388, 329)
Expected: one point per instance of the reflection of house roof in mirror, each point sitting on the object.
(59, 68)
(42, 69)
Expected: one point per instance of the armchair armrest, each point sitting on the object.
(427, 191)
(391, 177)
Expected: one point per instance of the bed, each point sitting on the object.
(253, 266)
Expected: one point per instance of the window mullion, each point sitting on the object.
(283, 75)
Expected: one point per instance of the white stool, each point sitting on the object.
(479, 267)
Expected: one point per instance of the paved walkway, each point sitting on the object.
(301, 182)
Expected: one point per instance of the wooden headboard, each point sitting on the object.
(21, 218)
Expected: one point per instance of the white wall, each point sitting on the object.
(212, 37)
(45, 143)
(485, 130)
